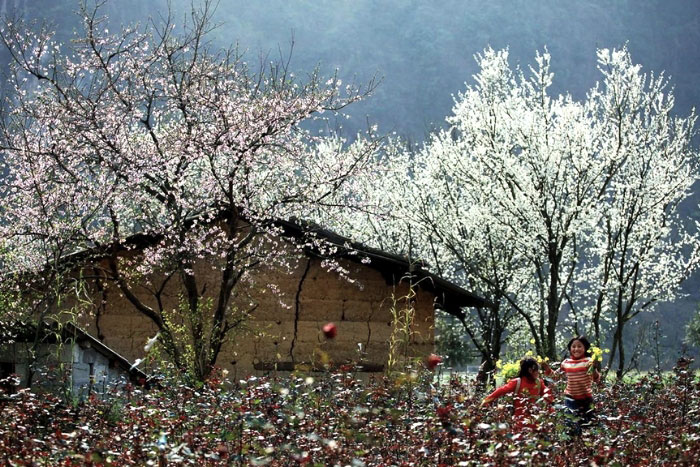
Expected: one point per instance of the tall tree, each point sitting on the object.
(566, 186)
(558, 211)
(641, 249)
(151, 134)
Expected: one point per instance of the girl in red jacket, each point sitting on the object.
(527, 389)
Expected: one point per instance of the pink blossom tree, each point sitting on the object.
(150, 139)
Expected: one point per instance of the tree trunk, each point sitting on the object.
(621, 350)
(617, 348)
(485, 378)
(552, 309)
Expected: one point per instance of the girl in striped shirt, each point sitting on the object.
(580, 375)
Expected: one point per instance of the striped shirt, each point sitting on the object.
(578, 381)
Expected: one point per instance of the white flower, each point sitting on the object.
(151, 342)
(136, 363)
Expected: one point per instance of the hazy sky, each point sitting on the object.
(423, 49)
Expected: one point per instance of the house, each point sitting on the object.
(63, 356)
(285, 331)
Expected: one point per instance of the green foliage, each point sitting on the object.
(11, 313)
(692, 335)
(402, 315)
(451, 341)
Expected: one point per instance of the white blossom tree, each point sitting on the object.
(641, 249)
(152, 138)
(556, 210)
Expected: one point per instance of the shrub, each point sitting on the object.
(335, 419)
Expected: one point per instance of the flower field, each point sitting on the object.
(337, 419)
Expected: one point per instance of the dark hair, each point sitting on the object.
(525, 365)
(584, 341)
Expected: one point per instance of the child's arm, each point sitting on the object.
(546, 369)
(551, 373)
(594, 367)
(503, 390)
(546, 392)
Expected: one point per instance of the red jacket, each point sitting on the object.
(528, 394)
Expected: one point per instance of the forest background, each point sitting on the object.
(423, 51)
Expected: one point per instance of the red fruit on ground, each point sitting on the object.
(330, 330)
(433, 361)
